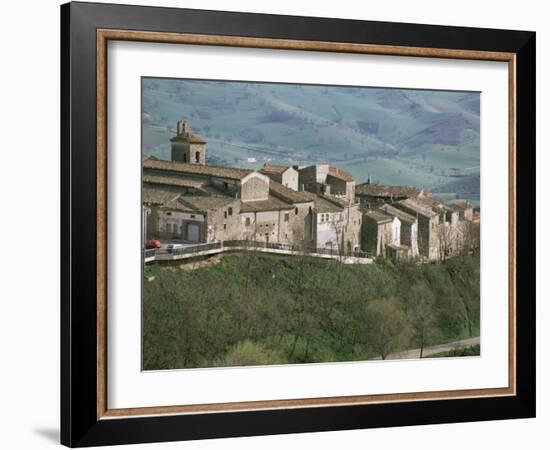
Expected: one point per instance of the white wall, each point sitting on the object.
(30, 289)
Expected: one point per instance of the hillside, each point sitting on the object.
(462, 188)
(405, 137)
(262, 309)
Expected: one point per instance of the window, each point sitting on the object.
(192, 216)
(225, 186)
(230, 211)
(247, 221)
(168, 213)
(184, 157)
(287, 217)
(225, 214)
(225, 226)
(168, 227)
(197, 157)
(296, 211)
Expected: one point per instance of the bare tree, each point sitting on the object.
(387, 328)
(471, 237)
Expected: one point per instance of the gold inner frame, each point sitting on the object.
(104, 35)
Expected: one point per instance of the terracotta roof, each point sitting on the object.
(339, 173)
(433, 202)
(394, 212)
(273, 169)
(287, 194)
(271, 204)
(172, 181)
(417, 207)
(231, 173)
(462, 205)
(158, 196)
(323, 204)
(378, 217)
(189, 137)
(205, 202)
(382, 190)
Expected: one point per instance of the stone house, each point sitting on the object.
(373, 195)
(465, 210)
(378, 232)
(337, 225)
(327, 180)
(428, 226)
(408, 230)
(285, 175)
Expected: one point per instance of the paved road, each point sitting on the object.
(415, 354)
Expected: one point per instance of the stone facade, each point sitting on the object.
(255, 187)
(187, 147)
(327, 180)
(377, 232)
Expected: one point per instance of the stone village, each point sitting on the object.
(316, 208)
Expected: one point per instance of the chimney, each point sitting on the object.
(182, 127)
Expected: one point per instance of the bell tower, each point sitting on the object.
(187, 147)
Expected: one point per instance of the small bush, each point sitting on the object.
(248, 353)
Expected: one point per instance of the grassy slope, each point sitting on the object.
(305, 310)
(396, 136)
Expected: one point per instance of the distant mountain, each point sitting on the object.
(398, 136)
(463, 186)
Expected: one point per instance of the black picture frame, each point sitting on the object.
(80, 425)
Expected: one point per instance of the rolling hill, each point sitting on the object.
(398, 136)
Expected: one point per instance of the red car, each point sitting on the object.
(153, 243)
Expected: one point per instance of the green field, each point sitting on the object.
(397, 136)
(254, 309)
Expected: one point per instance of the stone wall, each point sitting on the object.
(352, 228)
(307, 179)
(180, 151)
(337, 186)
(228, 187)
(290, 179)
(175, 225)
(197, 154)
(224, 223)
(376, 236)
(255, 188)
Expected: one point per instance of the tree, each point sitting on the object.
(470, 237)
(421, 313)
(387, 327)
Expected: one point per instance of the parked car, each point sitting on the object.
(170, 248)
(152, 244)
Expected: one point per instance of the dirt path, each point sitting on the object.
(415, 354)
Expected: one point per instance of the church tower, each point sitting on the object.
(188, 147)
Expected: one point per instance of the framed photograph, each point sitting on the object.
(276, 224)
